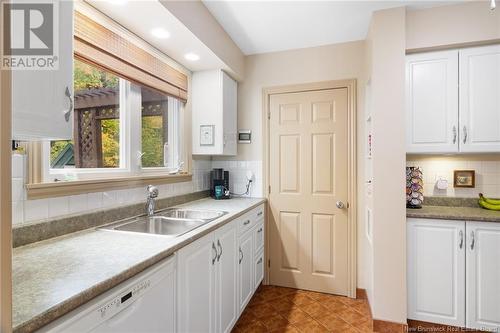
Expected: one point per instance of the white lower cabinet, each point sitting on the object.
(483, 275)
(454, 272)
(436, 271)
(196, 295)
(245, 270)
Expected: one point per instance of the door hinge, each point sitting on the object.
(269, 263)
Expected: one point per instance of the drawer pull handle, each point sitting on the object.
(259, 213)
(215, 253)
(260, 261)
(241, 255)
(260, 230)
(247, 222)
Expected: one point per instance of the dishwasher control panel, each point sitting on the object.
(126, 298)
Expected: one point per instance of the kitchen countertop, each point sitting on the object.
(53, 277)
(454, 213)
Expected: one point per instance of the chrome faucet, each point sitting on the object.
(150, 203)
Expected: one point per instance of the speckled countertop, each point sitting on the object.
(455, 213)
(53, 277)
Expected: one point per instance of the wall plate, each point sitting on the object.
(244, 136)
(207, 135)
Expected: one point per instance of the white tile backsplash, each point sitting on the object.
(26, 211)
(487, 176)
(238, 175)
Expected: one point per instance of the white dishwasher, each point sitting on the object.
(143, 304)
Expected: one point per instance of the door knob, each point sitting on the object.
(339, 204)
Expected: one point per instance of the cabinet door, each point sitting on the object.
(196, 286)
(39, 100)
(259, 269)
(479, 102)
(436, 271)
(229, 104)
(483, 275)
(432, 102)
(245, 270)
(227, 277)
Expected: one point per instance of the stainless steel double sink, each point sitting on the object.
(172, 222)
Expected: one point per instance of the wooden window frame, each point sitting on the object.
(129, 175)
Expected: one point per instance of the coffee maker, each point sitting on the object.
(219, 184)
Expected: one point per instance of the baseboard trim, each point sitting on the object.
(424, 326)
(383, 326)
(361, 294)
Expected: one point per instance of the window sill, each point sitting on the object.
(65, 188)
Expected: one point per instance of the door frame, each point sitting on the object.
(350, 84)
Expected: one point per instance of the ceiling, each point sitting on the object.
(269, 26)
(141, 17)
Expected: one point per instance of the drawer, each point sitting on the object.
(248, 220)
(258, 213)
(245, 223)
(259, 269)
(258, 236)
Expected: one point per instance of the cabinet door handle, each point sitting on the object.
(260, 230)
(241, 256)
(259, 213)
(220, 249)
(461, 244)
(215, 251)
(260, 261)
(465, 134)
(473, 240)
(454, 134)
(247, 222)
(67, 114)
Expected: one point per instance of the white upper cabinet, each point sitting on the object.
(432, 102)
(214, 105)
(483, 276)
(42, 100)
(480, 99)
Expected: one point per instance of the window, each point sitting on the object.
(96, 142)
(119, 126)
(128, 116)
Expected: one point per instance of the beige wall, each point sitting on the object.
(196, 17)
(387, 64)
(460, 24)
(332, 62)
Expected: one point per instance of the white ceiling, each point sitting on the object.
(140, 17)
(268, 26)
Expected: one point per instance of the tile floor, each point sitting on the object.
(278, 309)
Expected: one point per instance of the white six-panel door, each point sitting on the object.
(483, 275)
(436, 271)
(432, 102)
(308, 176)
(480, 99)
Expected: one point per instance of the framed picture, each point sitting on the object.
(464, 178)
(207, 135)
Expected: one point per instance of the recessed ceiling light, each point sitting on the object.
(192, 56)
(160, 33)
(117, 2)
